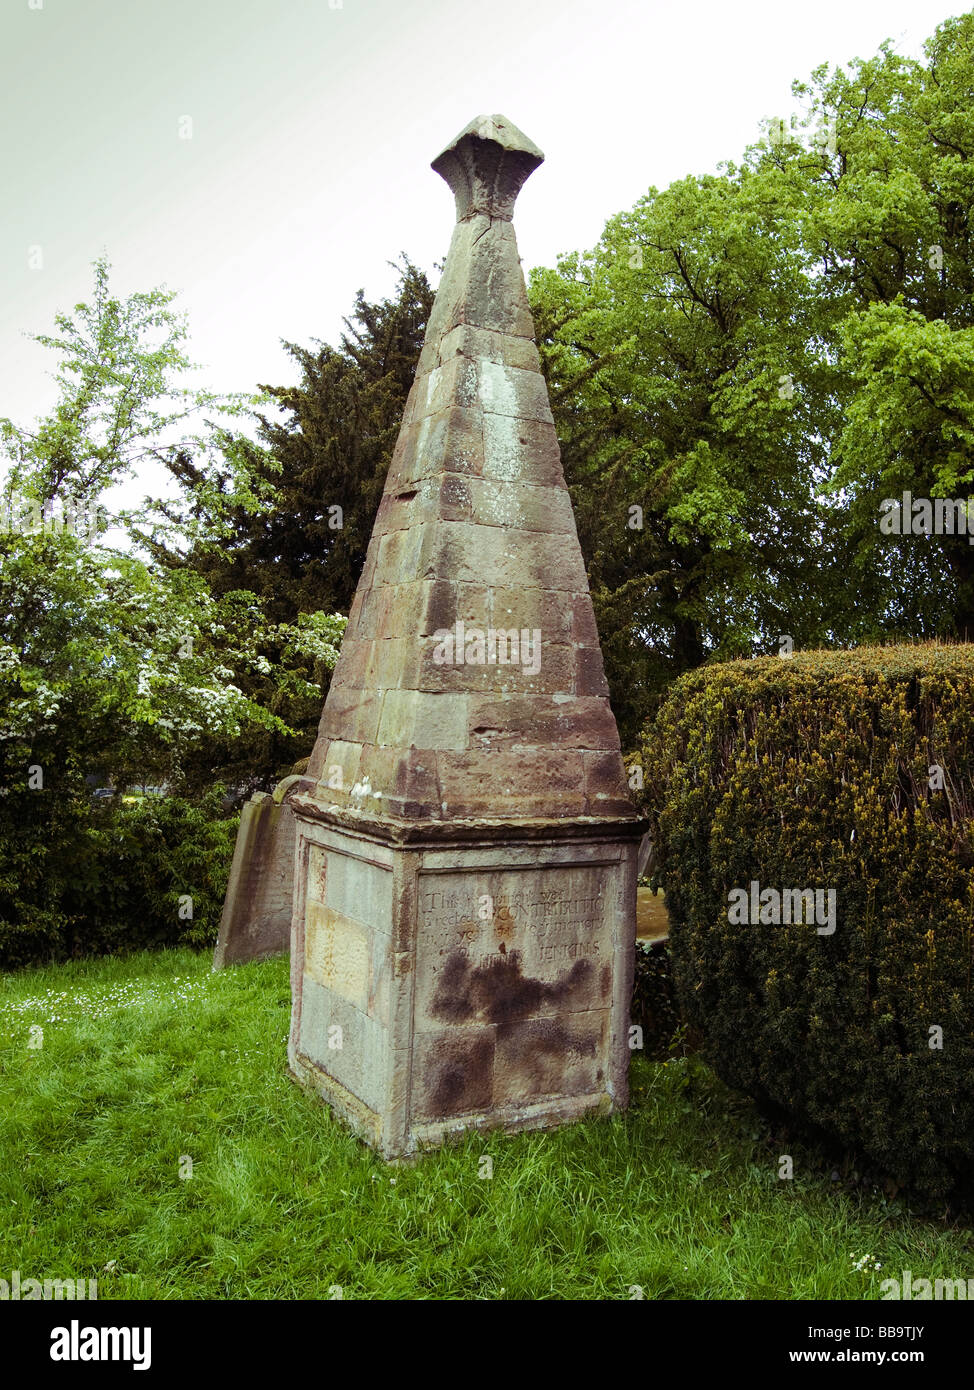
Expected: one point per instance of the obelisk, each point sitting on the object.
(464, 907)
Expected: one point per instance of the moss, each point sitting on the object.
(848, 772)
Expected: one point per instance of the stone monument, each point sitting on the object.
(257, 909)
(465, 875)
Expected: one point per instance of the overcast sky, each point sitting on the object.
(313, 123)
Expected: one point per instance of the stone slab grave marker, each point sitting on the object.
(259, 902)
(464, 912)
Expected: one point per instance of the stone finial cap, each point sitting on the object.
(487, 165)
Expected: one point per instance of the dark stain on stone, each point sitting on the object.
(545, 1035)
(498, 992)
(544, 1056)
(463, 1081)
(441, 610)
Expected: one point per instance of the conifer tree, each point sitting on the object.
(326, 461)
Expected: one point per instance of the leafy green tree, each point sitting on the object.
(121, 406)
(109, 662)
(106, 669)
(693, 404)
(884, 206)
(757, 360)
(319, 474)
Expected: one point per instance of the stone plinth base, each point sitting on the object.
(461, 975)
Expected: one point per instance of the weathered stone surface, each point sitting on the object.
(518, 506)
(578, 722)
(517, 450)
(454, 1073)
(590, 673)
(486, 166)
(451, 442)
(463, 927)
(256, 919)
(342, 766)
(490, 975)
(337, 953)
(351, 714)
(546, 1056)
(515, 783)
(604, 773)
(584, 631)
(549, 610)
(490, 346)
(451, 601)
(416, 719)
(556, 674)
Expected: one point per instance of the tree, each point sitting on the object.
(323, 466)
(120, 400)
(110, 662)
(885, 218)
(319, 475)
(692, 402)
(107, 669)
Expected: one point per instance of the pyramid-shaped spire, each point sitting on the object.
(470, 682)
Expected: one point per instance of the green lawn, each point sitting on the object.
(150, 1058)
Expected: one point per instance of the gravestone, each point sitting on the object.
(465, 877)
(257, 909)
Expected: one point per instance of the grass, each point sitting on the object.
(151, 1058)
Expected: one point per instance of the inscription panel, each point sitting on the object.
(336, 953)
(495, 946)
(348, 925)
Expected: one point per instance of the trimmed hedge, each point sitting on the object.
(815, 772)
(82, 879)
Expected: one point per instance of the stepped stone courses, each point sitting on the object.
(465, 873)
(475, 525)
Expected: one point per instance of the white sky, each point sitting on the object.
(313, 129)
